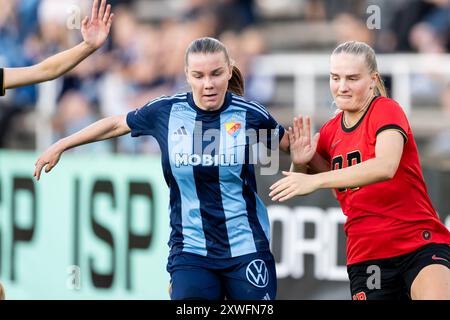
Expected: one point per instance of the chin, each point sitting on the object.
(211, 104)
(344, 105)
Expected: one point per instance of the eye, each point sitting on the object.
(217, 73)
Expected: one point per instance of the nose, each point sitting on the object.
(343, 85)
(208, 83)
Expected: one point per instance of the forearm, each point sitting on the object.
(48, 69)
(65, 61)
(367, 172)
(103, 129)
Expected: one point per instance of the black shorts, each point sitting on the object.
(392, 278)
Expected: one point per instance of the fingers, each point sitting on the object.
(282, 192)
(85, 22)
(107, 14)
(110, 20)
(94, 13)
(49, 167)
(302, 129)
(308, 130)
(40, 164)
(296, 129)
(300, 126)
(288, 196)
(276, 185)
(38, 169)
(291, 136)
(279, 186)
(283, 189)
(101, 10)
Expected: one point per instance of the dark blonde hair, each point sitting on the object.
(211, 45)
(361, 48)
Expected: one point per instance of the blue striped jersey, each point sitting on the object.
(215, 210)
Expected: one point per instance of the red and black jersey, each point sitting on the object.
(388, 218)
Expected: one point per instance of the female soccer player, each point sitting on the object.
(367, 153)
(219, 241)
(94, 30)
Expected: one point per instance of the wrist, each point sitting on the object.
(61, 145)
(89, 48)
(319, 180)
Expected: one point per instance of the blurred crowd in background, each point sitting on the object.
(144, 56)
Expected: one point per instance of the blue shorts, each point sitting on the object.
(248, 277)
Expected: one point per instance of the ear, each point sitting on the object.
(374, 77)
(186, 73)
(230, 68)
(230, 73)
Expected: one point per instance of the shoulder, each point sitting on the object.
(386, 110)
(161, 104)
(384, 103)
(252, 107)
(164, 101)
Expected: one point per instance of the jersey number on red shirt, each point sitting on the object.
(353, 158)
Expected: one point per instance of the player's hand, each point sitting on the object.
(96, 29)
(294, 184)
(2, 292)
(48, 159)
(301, 146)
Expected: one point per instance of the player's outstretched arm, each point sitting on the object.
(95, 31)
(103, 129)
(388, 152)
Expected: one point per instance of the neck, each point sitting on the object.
(351, 118)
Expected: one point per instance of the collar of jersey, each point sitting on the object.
(225, 105)
(359, 121)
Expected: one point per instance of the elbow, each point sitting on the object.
(46, 71)
(120, 125)
(388, 171)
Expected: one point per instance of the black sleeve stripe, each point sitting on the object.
(2, 83)
(393, 127)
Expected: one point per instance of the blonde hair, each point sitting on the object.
(361, 48)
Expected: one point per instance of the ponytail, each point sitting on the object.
(236, 82)
(380, 89)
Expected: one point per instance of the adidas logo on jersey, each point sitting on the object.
(181, 131)
(266, 297)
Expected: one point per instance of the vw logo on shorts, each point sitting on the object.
(257, 273)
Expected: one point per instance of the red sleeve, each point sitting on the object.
(388, 115)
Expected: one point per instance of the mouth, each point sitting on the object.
(213, 95)
(343, 96)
